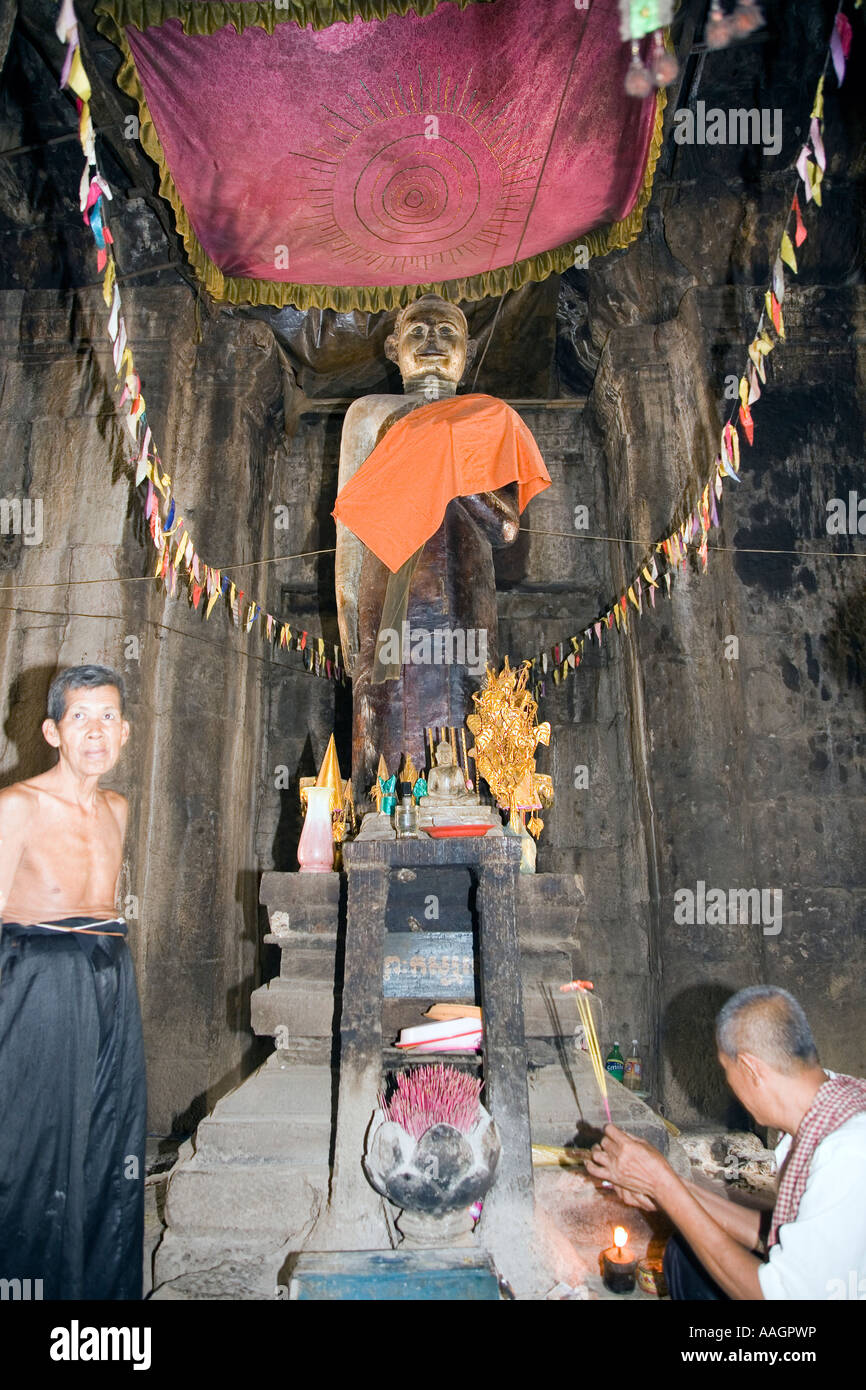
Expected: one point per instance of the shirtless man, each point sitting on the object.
(72, 1094)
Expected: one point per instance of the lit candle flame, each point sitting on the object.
(620, 1237)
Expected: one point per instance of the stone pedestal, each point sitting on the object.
(356, 1219)
(304, 914)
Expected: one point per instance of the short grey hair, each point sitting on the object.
(81, 678)
(770, 1023)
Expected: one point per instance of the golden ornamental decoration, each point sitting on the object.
(506, 737)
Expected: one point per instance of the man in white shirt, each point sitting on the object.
(817, 1232)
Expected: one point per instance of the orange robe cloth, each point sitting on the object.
(451, 448)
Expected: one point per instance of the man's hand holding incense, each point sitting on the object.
(719, 1239)
(634, 1199)
(632, 1166)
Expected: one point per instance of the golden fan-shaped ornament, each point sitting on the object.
(506, 737)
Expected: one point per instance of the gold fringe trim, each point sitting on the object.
(206, 18)
(229, 289)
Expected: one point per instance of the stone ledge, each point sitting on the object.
(552, 892)
(276, 1200)
(262, 1139)
(299, 891)
(306, 1009)
(191, 1267)
(502, 852)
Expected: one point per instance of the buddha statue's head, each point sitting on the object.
(444, 754)
(430, 344)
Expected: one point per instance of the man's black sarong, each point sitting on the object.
(72, 1112)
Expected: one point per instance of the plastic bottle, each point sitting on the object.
(614, 1063)
(632, 1076)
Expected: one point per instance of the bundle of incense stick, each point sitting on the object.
(432, 1095)
(558, 1156)
(580, 989)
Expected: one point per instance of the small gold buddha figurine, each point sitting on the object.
(376, 792)
(446, 781)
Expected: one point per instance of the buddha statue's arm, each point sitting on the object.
(350, 555)
(355, 444)
(366, 422)
(496, 513)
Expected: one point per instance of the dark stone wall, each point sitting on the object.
(763, 765)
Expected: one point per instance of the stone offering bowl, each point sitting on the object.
(443, 1171)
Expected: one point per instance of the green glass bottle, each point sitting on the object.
(614, 1062)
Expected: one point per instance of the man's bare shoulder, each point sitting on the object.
(117, 804)
(18, 804)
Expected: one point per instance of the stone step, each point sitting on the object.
(307, 1051)
(287, 890)
(281, 1113)
(301, 902)
(280, 1089)
(546, 1012)
(535, 935)
(313, 923)
(289, 941)
(309, 905)
(546, 966)
(304, 956)
(274, 1200)
(551, 895)
(308, 964)
(260, 1164)
(227, 1266)
(304, 1008)
(300, 1139)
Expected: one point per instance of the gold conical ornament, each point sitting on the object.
(329, 775)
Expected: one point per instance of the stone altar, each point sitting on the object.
(356, 1209)
(252, 1187)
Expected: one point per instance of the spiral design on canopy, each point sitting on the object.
(413, 189)
(416, 189)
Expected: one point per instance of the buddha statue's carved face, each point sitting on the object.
(430, 339)
(444, 754)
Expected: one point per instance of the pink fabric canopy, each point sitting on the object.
(398, 151)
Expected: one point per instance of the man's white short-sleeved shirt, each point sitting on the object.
(822, 1255)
